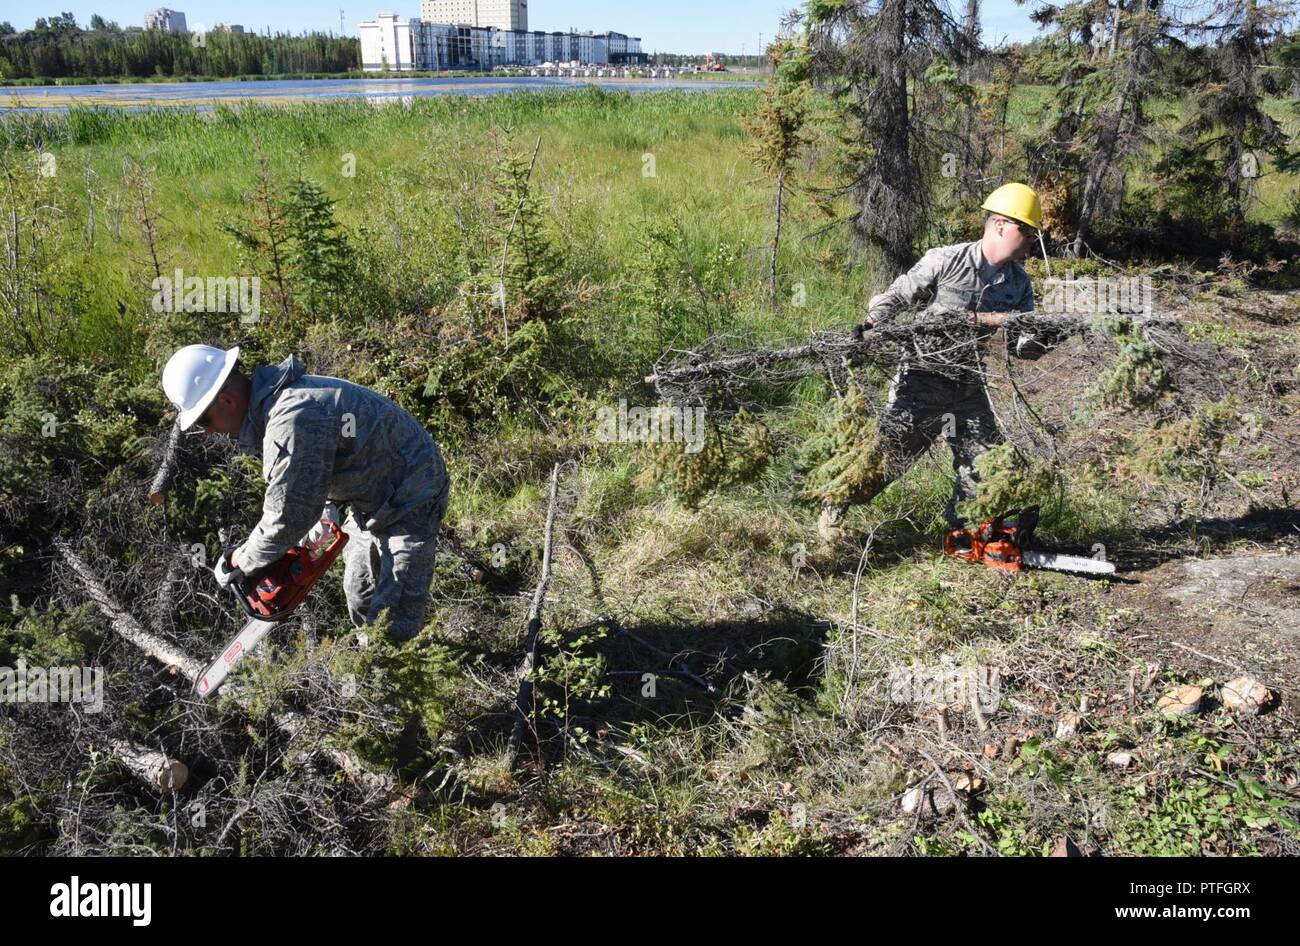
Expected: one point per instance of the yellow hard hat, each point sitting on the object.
(1016, 201)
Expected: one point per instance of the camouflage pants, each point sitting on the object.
(392, 569)
(923, 406)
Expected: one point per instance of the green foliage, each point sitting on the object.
(683, 292)
(524, 275)
(1186, 449)
(407, 687)
(734, 453)
(844, 461)
(404, 301)
(773, 713)
(1136, 378)
(1007, 480)
(63, 424)
(57, 47)
(320, 256)
(1189, 818)
(572, 675)
(262, 235)
(20, 827)
(39, 293)
(777, 128)
(780, 838)
(1210, 175)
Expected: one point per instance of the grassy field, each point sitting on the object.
(716, 681)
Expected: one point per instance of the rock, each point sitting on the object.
(1215, 590)
(1180, 701)
(927, 802)
(1068, 726)
(1245, 695)
(1120, 760)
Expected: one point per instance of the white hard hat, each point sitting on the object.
(194, 376)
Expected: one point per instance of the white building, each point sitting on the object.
(399, 44)
(499, 14)
(171, 21)
(390, 43)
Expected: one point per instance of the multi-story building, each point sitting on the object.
(228, 28)
(171, 21)
(399, 44)
(390, 43)
(499, 14)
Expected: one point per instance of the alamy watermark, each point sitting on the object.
(947, 685)
(74, 899)
(1097, 295)
(24, 684)
(659, 424)
(181, 293)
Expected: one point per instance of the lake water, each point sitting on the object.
(207, 94)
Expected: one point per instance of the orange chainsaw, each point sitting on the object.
(1003, 543)
(273, 594)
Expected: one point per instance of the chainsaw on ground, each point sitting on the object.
(1003, 542)
(273, 594)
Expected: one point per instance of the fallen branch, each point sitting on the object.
(126, 626)
(162, 480)
(293, 725)
(951, 336)
(524, 697)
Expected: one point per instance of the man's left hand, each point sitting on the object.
(226, 572)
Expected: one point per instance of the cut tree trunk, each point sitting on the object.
(154, 769)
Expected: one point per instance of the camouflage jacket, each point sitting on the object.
(957, 277)
(328, 440)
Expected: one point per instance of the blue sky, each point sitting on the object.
(686, 26)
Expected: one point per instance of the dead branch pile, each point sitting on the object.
(943, 341)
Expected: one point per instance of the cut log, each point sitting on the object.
(379, 786)
(154, 769)
(524, 696)
(162, 480)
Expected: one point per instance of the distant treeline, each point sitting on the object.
(59, 48)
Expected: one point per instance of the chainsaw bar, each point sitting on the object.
(249, 636)
(1067, 563)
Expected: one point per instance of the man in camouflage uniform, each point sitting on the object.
(325, 440)
(944, 392)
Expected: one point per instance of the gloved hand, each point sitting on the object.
(861, 330)
(225, 570)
